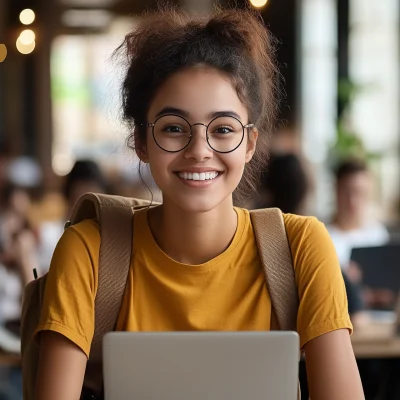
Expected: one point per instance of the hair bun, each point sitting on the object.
(225, 31)
(236, 29)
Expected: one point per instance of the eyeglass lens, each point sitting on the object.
(172, 133)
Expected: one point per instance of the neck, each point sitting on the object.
(193, 238)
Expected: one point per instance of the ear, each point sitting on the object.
(251, 144)
(142, 153)
(140, 147)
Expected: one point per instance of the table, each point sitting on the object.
(376, 340)
(9, 360)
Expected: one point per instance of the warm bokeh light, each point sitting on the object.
(27, 16)
(62, 163)
(27, 37)
(3, 52)
(25, 48)
(258, 3)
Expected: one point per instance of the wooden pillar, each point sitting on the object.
(343, 43)
(3, 12)
(48, 15)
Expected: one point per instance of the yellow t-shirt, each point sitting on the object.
(225, 293)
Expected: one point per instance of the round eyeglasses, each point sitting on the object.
(173, 133)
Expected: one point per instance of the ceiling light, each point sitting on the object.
(88, 3)
(86, 18)
(258, 3)
(3, 52)
(27, 37)
(27, 16)
(25, 48)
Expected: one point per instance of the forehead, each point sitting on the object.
(358, 179)
(199, 91)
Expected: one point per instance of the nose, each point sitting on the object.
(198, 148)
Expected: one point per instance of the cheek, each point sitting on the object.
(236, 161)
(160, 163)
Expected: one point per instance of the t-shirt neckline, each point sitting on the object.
(152, 246)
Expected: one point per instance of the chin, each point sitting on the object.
(198, 204)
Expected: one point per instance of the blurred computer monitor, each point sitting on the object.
(380, 266)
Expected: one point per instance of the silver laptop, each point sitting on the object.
(201, 365)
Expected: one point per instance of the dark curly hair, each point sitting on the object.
(233, 41)
(349, 167)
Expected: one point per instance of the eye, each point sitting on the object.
(223, 130)
(225, 126)
(173, 129)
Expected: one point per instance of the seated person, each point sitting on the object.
(18, 258)
(351, 226)
(284, 185)
(85, 176)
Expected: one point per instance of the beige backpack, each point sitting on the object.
(114, 215)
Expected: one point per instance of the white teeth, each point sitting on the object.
(195, 176)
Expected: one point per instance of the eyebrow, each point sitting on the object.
(186, 114)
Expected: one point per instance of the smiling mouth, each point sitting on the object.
(198, 176)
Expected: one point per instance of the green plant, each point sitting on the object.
(348, 143)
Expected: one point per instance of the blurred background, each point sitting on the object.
(337, 146)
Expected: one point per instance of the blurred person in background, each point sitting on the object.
(18, 254)
(18, 238)
(18, 257)
(284, 185)
(85, 176)
(352, 226)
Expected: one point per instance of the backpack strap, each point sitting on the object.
(115, 217)
(276, 258)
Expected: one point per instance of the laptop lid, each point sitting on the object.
(380, 266)
(201, 365)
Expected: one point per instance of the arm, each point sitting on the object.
(331, 368)
(66, 325)
(61, 368)
(323, 320)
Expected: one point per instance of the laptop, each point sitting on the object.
(201, 365)
(380, 266)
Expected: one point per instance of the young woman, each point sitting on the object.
(200, 96)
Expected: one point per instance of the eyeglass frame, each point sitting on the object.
(152, 125)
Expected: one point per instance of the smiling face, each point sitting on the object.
(198, 179)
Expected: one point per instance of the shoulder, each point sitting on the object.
(76, 256)
(86, 231)
(309, 241)
(302, 228)
(299, 228)
(295, 221)
(80, 243)
(307, 237)
(322, 295)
